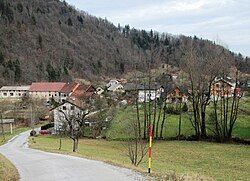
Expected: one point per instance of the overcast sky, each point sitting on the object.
(226, 20)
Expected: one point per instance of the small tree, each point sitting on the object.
(136, 146)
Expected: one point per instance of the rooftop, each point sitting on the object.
(46, 86)
(15, 88)
(69, 87)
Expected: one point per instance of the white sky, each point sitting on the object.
(227, 20)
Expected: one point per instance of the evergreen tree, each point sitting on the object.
(52, 74)
(18, 71)
(1, 58)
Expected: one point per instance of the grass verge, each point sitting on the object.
(202, 159)
(7, 171)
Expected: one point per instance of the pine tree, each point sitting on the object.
(18, 71)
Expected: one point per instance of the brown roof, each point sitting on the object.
(69, 87)
(83, 91)
(46, 86)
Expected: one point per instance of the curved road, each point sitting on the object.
(42, 166)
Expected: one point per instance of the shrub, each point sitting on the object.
(185, 108)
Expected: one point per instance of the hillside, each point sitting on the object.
(50, 40)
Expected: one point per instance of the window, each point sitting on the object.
(55, 94)
(64, 108)
(5, 94)
(11, 94)
(72, 108)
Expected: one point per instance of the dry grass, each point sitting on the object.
(7, 171)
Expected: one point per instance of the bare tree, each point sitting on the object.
(202, 63)
(136, 146)
(73, 124)
(225, 112)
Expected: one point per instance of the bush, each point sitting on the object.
(185, 108)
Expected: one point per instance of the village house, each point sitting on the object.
(150, 92)
(63, 111)
(83, 94)
(223, 87)
(116, 88)
(174, 94)
(67, 90)
(46, 90)
(99, 90)
(112, 82)
(16, 92)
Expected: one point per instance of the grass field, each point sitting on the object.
(128, 114)
(211, 160)
(7, 171)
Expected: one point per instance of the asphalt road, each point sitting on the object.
(35, 165)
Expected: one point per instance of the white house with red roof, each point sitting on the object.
(46, 90)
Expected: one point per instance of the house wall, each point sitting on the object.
(119, 89)
(59, 117)
(221, 88)
(146, 95)
(45, 95)
(175, 96)
(63, 97)
(16, 94)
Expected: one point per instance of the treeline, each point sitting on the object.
(79, 45)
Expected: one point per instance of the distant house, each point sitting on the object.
(46, 90)
(174, 94)
(149, 92)
(116, 88)
(67, 90)
(99, 90)
(65, 109)
(112, 82)
(15, 92)
(83, 94)
(223, 87)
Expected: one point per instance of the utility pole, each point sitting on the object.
(31, 117)
(150, 149)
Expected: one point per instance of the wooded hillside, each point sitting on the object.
(50, 40)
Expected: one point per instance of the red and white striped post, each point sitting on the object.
(150, 149)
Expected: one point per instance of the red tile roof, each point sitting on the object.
(69, 87)
(46, 86)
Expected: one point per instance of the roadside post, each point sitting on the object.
(11, 128)
(150, 149)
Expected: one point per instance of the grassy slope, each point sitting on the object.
(7, 170)
(220, 161)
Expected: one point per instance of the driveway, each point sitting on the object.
(35, 165)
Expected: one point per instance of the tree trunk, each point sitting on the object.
(74, 145)
(180, 122)
(163, 120)
(158, 121)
